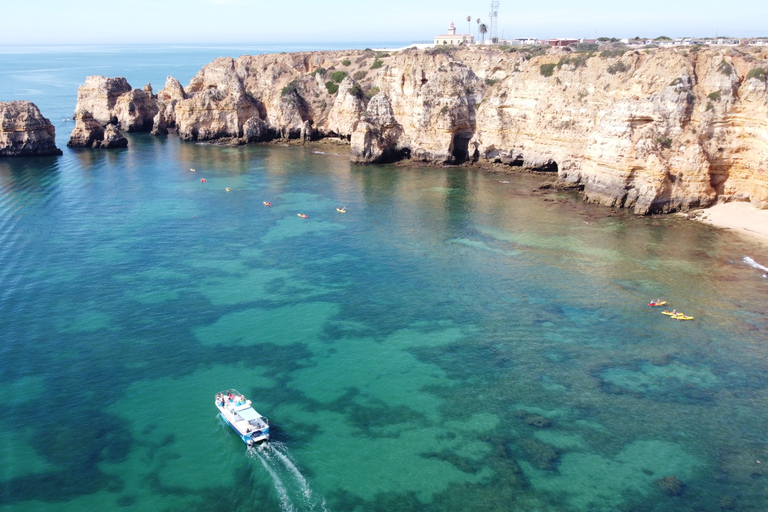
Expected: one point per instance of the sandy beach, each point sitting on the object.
(741, 217)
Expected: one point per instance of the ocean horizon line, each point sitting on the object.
(116, 47)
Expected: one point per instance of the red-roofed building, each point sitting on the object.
(561, 41)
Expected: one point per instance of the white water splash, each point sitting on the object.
(292, 487)
(752, 263)
(278, 449)
(282, 492)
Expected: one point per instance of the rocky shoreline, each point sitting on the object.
(656, 131)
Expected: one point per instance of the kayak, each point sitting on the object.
(302, 215)
(665, 312)
(341, 210)
(681, 316)
(267, 203)
(652, 304)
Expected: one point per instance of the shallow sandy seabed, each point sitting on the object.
(742, 217)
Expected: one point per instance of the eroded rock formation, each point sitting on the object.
(24, 131)
(658, 130)
(105, 106)
(90, 133)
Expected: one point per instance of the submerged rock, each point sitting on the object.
(727, 503)
(534, 420)
(671, 485)
(24, 131)
(540, 455)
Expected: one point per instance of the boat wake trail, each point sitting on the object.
(752, 263)
(291, 486)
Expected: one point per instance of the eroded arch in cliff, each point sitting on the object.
(460, 146)
(548, 166)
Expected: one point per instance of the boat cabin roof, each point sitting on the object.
(248, 414)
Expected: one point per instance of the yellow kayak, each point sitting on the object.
(681, 316)
(341, 210)
(670, 313)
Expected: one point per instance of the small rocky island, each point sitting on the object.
(657, 130)
(24, 131)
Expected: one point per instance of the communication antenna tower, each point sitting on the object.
(494, 16)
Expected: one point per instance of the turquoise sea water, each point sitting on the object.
(455, 341)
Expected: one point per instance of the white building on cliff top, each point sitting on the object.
(453, 38)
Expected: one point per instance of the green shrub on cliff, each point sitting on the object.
(714, 96)
(359, 75)
(664, 142)
(618, 67)
(586, 47)
(373, 91)
(577, 62)
(677, 81)
(436, 50)
(356, 91)
(377, 64)
(332, 87)
(616, 52)
(758, 73)
(290, 88)
(346, 62)
(319, 71)
(338, 76)
(547, 69)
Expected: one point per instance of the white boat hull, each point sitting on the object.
(252, 427)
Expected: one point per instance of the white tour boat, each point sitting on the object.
(251, 426)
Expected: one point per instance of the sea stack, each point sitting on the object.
(24, 131)
(107, 105)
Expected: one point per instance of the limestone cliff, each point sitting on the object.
(24, 131)
(657, 130)
(90, 133)
(107, 105)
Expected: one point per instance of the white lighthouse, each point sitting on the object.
(452, 38)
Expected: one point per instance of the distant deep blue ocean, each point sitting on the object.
(457, 340)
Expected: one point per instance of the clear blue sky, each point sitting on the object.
(248, 21)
